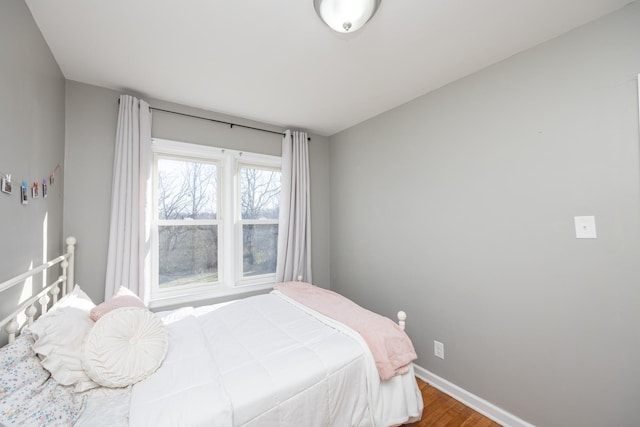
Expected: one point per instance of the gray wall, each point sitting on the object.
(91, 117)
(32, 144)
(458, 207)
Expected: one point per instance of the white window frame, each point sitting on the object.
(229, 222)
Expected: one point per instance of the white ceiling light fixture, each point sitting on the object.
(346, 16)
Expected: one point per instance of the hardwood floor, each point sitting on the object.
(442, 410)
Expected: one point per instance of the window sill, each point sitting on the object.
(211, 297)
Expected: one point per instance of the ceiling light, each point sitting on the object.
(346, 16)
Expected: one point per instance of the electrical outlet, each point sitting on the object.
(438, 349)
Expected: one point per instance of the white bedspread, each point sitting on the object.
(105, 408)
(267, 361)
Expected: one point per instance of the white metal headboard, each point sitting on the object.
(63, 284)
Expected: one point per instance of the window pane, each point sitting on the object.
(187, 189)
(260, 193)
(187, 254)
(259, 249)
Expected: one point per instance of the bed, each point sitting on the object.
(288, 358)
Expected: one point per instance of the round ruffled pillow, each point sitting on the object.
(124, 347)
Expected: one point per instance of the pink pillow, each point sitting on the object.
(123, 298)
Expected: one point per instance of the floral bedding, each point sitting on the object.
(28, 394)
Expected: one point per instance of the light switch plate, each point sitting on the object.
(438, 349)
(585, 227)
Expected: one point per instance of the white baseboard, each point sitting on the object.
(474, 402)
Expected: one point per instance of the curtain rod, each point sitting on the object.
(217, 121)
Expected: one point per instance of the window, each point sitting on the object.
(259, 210)
(215, 221)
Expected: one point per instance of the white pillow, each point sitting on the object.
(59, 335)
(125, 346)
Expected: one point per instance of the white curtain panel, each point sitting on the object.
(294, 231)
(128, 258)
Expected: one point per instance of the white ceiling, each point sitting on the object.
(275, 61)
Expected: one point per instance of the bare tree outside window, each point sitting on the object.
(187, 189)
(260, 193)
(260, 207)
(187, 204)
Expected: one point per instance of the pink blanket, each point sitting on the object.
(391, 347)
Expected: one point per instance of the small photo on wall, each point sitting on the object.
(6, 185)
(24, 193)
